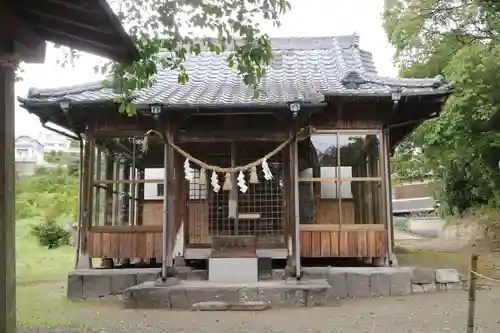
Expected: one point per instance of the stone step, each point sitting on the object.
(223, 306)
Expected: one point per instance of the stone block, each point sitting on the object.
(423, 275)
(380, 284)
(447, 275)
(75, 287)
(146, 277)
(275, 297)
(120, 282)
(210, 306)
(400, 283)
(320, 297)
(233, 270)
(358, 284)
(249, 306)
(295, 298)
(96, 286)
(155, 298)
(197, 275)
(197, 295)
(423, 288)
(248, 294)
(179, 299)
(179, 261)
(278, 274)
(338, 283)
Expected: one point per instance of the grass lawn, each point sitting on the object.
(41, 283)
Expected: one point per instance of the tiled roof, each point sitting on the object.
(305, 69)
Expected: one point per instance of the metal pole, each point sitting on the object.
(473, 264)
(296, 203)
(165, 213)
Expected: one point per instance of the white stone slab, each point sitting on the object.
(233, 270)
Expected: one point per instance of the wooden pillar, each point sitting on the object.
(140, 196)
(7, 192)
(84, 261)
(108, 204)
(97, 200)
(125, 199)
(170, 192)
(117, 195)
(386, 180)
(291, 208)
(108, 208)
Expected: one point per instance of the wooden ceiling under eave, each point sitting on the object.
(86, 25)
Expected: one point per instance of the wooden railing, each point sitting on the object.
(346, 240)
(125, 242)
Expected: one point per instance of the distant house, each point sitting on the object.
(414, 198)
(29, 155)
(55, 142)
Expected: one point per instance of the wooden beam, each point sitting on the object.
(18, 41)
(7, 219)
(126, 229)
(230, 136)
(343, 227)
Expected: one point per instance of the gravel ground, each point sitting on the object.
(434, 312)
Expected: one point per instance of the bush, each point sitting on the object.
(50, 234)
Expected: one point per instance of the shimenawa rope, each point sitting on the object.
(216, 168)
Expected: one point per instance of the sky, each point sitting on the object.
(307, 18)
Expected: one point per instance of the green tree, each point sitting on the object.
(53, 191)
(460, 40)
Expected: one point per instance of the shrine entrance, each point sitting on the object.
(238, 204)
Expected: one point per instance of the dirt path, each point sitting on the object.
(437, 312)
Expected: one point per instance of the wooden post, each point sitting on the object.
(140, 197)
(97, 200)
(84, 260)
(386, 182)
(473, 265)
(108, 208)
(7, 190)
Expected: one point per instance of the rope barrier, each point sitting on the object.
(216, 168)
(484, 276)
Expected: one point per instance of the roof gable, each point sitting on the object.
(305, 69)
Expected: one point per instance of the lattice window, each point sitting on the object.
(197, 191)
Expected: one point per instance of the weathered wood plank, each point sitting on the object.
(350, 243)
(306, 244)
(325, 244)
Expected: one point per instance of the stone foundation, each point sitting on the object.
(341, 282)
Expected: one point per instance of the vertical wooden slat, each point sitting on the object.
(140, 245)
(316, 244)
(158, 245)
(352, 241)
(106, 245)
(325, 244)
(334, 243)
(114, 251)
(306, 244)
(150, 245)
(362, 246)
(132, 243)
(343, 244)
(371, 243)
(125, 242)
(381, 246)
(96, 245)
